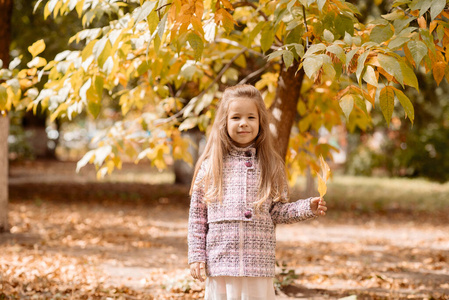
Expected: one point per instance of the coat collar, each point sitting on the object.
(249, 151)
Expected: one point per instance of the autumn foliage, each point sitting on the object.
(150, 52)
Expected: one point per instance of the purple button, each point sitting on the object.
(249, 164)
(248, 153)
(248, 214)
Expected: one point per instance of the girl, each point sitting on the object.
(238, 194)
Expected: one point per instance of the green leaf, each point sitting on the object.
(370, 76)
(400, 24)
(315, 48)
(197, 45)
(256, 30)
(398, 42)
(344, 24)
(99, 83)
(329, 70)
(381, 34)
(409, 76)
(347, 104)
(361, 64)
(350, 55)
(311, 65)
(361, 103)
(288, 58)
(338, 51)
(386, 101)
(142, 12)
(94, 108)
(396, 14)
(406, 104)
(436, 8)
(328, 36)
(104, 54)
(348, 39)
(294, 36)
(153, 20)
(418, 50)
(299, 50)
(188, 123)
(267, 38)
(391, 66)
(321, 4)
(275, 54)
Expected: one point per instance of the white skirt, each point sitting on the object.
(239, 288)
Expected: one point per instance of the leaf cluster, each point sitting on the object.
(165, 63)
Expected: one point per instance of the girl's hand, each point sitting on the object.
(318, 206)
(198, 271)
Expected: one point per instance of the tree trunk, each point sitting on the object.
(5, 40)
(184, 172)
(283, 110)
(4, 130)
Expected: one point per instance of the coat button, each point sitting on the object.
(248, 214)
(249, 164)
(248, 153)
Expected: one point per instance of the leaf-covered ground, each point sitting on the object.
(74, 238)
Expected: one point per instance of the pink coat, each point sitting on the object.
(232, 237)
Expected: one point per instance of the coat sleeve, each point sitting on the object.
(282, 212)
(290, 212)
(197, 221)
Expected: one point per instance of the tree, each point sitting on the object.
(313, 60)
(5, 25)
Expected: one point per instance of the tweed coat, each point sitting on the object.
(233, 237)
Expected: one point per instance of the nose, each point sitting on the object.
(243, 122)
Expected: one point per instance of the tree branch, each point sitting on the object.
(245, 3)
(236, 44)
(179, 113)
(305, 26)
(255, 73)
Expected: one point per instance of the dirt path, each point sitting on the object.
(79, 239)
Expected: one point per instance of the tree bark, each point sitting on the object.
(5, 41)
(5, 30)
(283, 110)
(4, 130)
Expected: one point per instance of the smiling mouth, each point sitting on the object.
(243, 132)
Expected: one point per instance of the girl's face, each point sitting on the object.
(243, 121)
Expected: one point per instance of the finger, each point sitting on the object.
(196, 271)
(192, 271)
(202, 272)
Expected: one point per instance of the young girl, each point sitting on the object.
(239, 193)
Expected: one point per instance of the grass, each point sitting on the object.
(387, 194)
(362, 194)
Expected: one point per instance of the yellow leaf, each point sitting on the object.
(438, 71)
(37, 48)
(322, 189)
(322, 179)
(227, 4)
(325, 168)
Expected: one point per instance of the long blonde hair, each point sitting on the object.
(272, 178)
